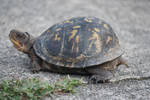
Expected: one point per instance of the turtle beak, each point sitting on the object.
(16, 33)
(15, 42)
(12, 36)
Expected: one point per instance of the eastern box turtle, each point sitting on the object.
(82, 45)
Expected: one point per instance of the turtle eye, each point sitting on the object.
(24, 37)
(27, 35)
(20, 36)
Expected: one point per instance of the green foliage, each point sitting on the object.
(67, 85)
(35, 89)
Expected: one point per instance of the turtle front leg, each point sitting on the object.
(35, 66)
(35, 62)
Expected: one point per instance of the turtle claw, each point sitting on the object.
(35, 67)
(34, 70)
(95, 79)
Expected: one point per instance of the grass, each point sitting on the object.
(35, 89)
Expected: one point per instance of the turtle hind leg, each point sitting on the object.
(104, 72)
(99, 75)
(103, 77)
(35, 61)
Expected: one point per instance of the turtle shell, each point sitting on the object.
(78, 43)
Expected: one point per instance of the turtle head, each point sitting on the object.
(23, 41)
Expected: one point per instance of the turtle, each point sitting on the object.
(79, 45)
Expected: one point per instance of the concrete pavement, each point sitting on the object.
(129, 19)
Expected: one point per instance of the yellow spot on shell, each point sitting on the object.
(58, 29)
(105, 26)
(94, 36)
(96, 29)
(90, 45)
(96, 40)
(76, 26)
(56, 38)
(109, 38)
(77, 42)
(67, 21)
(77, 39)
(88, 20)
(73, 34)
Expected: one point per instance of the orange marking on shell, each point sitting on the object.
(94, 36)
(77, 42)
(96, 40)
(68, 21)
(96, 29)
(73, 34)
(78, 58)
(109, 38)
(76, 26)
(105, 26)
(88, 20)
(77, 39)
(70, 59)
(90, 45)
(57, 58)
(56, 38)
